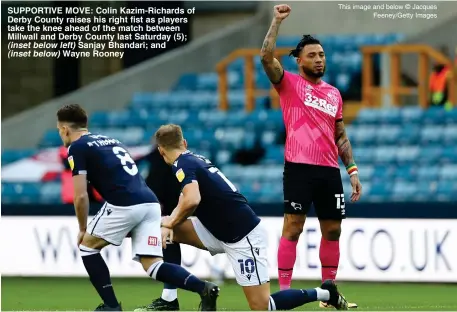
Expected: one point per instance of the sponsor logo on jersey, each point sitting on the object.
(71, 162)
(180, 175)
(320, 104)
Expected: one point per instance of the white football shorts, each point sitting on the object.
(113, 223)
(248, 256)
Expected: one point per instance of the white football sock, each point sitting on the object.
(169, 294)
(322, 294)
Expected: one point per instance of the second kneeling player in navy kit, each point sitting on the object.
(225, 223)
(163, 183)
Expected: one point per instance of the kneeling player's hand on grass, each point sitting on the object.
(356, 188)
(167, 237)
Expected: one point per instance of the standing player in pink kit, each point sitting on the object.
(312, 112)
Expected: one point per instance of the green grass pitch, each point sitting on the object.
(61, 294)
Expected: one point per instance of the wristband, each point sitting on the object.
(352, 169)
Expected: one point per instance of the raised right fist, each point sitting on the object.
(281, 11)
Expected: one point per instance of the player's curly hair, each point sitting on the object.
(169, 137)
(74, 114)
(305, 40)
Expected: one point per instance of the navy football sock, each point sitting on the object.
(176, 275)
(172, 254)
(292, 298)
(99, 275)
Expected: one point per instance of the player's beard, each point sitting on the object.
(311, 73)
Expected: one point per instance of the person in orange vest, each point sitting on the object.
(67, 181)
(439, 81)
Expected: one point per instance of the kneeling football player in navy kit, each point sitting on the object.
(130, 207)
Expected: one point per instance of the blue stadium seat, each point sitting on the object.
(428, 173)
(186, 82)
(384, 154)
(21, 192)
(448, 172)
(235, 137)
(425, 191)
(363, 135)
(404, 191)
(51, 138)
(411, 115)
(98, 119)
(409, 135)
(365, 173)
(274, 155)
(390, 116)
(406, 172)
(268, 137)
(388, 135)
(449, 154)
(367, 116)
(287, 41)
(407, 154)
(434, 115)
(432, 134)
(430, 155)
(451, 116)
(9, 156)
(450, 134)
(222, 157)
(384, 173)
(207, 82)
(364, 154)
(50, 192)
(446, 190)
(130, 136)
(380, 191)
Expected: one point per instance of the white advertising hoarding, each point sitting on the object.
(371, 250)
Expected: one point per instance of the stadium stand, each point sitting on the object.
(412, 157)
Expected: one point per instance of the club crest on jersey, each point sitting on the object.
(71, 162)
(333, 98)
(180, 175)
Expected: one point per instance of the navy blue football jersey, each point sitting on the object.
(110, 170)
(222, 209)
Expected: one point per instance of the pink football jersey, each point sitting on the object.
(310, 112)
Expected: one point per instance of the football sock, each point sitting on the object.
(287, 252)
(172, 254)
(329, 254)
(292, 298)
(99, 275)
(175, 275)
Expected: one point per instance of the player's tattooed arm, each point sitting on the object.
(81, 200)
(344, 146)
(270, 64)
(272, 67)
(188, 202)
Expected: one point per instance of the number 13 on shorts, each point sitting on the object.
(340, 205)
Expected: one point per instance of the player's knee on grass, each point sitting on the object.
(330, 229)
(258, 296)
(94, 242)
(148, 261)
(293, 226)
